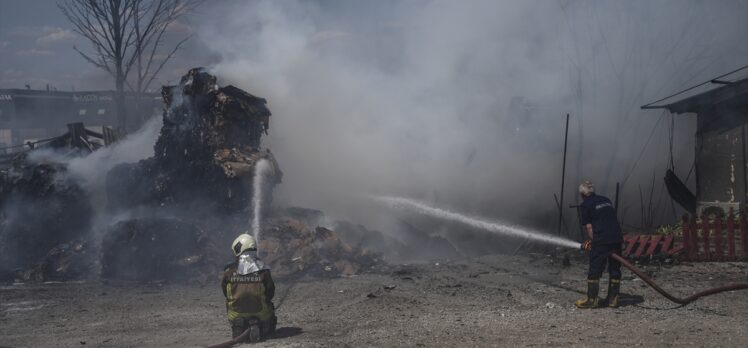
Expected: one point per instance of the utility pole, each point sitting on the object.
(563, 179)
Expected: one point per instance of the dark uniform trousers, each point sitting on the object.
(599, 256)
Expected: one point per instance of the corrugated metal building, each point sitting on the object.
(721, 144)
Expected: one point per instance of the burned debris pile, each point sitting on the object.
(148, 248)
(40, 208)
(291, 247)
(205, 155)
(171, 216)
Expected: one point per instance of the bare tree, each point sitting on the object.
(126, 34)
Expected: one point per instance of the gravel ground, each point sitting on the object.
(488, 301)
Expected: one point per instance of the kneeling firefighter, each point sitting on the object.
(600, 220)
(249, 290)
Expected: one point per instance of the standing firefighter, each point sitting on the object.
(599, 218)
(249, 289)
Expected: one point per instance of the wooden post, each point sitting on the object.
(731, 235)
(618, 188)
(717, 255)
(686, 236)
(563, 179)
(705, 230)
(694, 227)
(744, 236)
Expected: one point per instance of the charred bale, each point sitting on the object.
(206, 153)
(67, 261)
(152, 249)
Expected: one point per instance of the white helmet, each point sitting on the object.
(243, 243)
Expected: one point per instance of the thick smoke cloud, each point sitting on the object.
(463, 103)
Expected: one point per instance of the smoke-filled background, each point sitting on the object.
(461, 104)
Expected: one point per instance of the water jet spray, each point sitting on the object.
(258, 182)
(495, 227)
(516, 231)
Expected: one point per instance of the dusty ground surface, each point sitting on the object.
(489, 301)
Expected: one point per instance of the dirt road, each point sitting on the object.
(489, 301)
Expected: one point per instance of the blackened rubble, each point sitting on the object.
(39, 209)
(205, 155)
(173, 215)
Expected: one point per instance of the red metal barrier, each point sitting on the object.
(705, 232)
(694, 252)
(704, 239)
(731, 237)
(648, 246)
(716, 239)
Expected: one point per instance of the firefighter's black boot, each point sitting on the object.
(592, 301)
(255, 331)
(237, 327)
(614, 288)
(268, 327)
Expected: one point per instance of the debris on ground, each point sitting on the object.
(65, 261)
(291, 247)
(152, 249)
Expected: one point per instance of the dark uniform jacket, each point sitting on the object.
(599, 211)
(248, 295)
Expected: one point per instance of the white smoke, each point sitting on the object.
(465, 101)
(90, 171)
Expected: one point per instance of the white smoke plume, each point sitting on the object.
(464, 102)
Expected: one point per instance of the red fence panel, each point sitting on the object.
(705, 232)
(653, 244)
(694, 252)
(717, 255)
(667, 242)
(720, 239)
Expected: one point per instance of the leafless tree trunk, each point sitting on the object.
(126, 33)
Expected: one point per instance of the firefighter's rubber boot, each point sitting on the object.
(237, 327)
(592, 301)
(614, 288)
(268, 327)
(255, 331)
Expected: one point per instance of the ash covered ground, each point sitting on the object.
(486, 301)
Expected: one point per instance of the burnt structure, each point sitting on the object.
(205, 156)
(721, 147)
(200, 179)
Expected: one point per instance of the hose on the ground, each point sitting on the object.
(239, 339)
(681, 301)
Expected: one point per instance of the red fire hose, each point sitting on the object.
(681, 301)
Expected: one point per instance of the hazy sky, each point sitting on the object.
(456, 102)
(36, 48)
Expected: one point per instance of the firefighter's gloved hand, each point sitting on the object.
(587, 245)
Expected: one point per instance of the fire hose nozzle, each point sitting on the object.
(586, 246)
